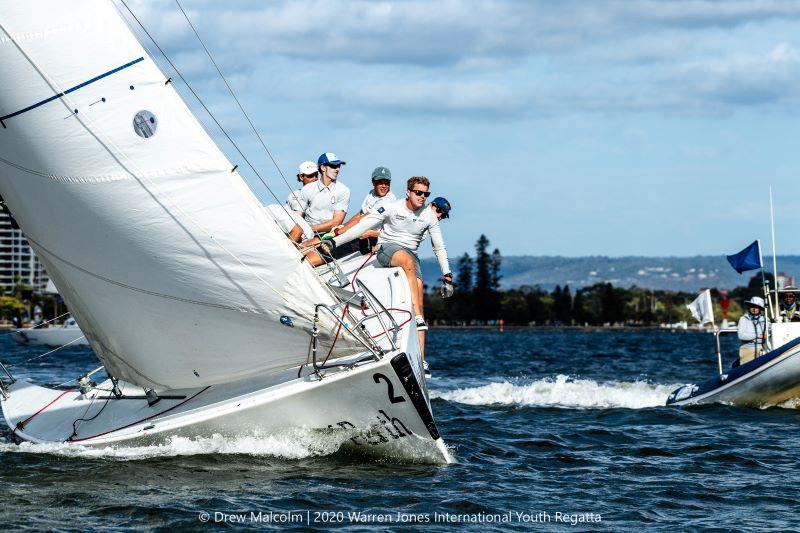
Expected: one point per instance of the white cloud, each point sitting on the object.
(504, 57)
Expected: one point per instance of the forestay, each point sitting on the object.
(172, 268)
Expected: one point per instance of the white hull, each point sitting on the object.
(353, 405)
(378, 407)
(769, 380)
(53, 337)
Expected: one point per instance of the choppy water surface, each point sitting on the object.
(541, 422)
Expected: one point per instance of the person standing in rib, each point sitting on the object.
(403, 224)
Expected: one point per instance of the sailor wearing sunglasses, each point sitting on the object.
(324, 202)
(403, 225)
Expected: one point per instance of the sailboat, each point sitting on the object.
(66, 334)
(203, 314)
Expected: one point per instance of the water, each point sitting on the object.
(541, 422)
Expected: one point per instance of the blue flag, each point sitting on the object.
(747, 259)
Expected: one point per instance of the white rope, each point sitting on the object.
(51, 351)
(38, 326)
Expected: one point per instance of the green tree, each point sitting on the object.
(494, 270)
(562, 304)
(484, 297)
(514, 308)
(464, 274)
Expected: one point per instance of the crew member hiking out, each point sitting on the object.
(289, 216)
(403, 224)
(324, 202)
(377, 196)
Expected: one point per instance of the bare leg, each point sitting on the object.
(295, 233)
(406, 262)
(314, 258)
(421, 333)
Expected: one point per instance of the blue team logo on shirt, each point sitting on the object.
(381, 210)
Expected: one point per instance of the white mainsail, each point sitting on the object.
(172, 268)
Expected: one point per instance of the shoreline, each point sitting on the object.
(564, 328)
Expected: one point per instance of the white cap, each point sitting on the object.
(756, 301)
(307, 167)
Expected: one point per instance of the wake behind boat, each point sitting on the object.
(199, 308)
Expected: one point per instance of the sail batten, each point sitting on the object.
(168, 261)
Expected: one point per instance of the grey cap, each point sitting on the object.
(382, 173)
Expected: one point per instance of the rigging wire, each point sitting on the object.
(95, 371)
(230, 90)
(9, 332)
(222, 129)
(47, 353)
(87, 123)
(207, 110)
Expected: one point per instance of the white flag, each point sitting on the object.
(702, 309)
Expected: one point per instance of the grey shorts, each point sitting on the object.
(387, 251)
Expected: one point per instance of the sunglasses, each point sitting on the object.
(424, 194)
(334, 165)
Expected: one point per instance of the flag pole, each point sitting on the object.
(764, 280)
(774, 253)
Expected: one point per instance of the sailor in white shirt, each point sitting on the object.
(324, 203)
(377, 196)
(307, 173)
(289, 216)
(403, 225)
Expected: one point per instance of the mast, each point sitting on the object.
(774, 253)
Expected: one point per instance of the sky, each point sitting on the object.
(554, 128)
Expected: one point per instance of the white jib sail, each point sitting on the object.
(174, 271)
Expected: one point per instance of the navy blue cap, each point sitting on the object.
(443, 205)
(329, 158)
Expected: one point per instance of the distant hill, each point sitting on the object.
(668, 273)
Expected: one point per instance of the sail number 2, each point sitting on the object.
(378, 377)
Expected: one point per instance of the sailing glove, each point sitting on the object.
(446, 290)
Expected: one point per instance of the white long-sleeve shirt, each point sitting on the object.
(750, 329)
(293, 201)
(372, 201)
(400, 225)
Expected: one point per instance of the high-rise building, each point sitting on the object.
(18, 263)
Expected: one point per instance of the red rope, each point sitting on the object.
(21, 425)
(144, 419)
(346, 307)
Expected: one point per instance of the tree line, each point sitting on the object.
(478, 300)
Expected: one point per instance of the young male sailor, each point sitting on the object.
(324, 203)
(752, 330)
(378, 196)
(290, 216)
(403, 225)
